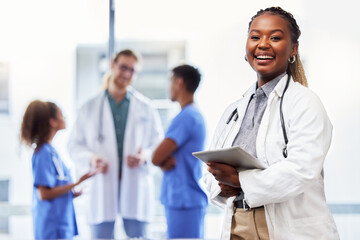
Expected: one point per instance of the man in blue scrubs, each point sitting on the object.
(184, 200)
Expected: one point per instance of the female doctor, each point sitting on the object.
(283, 124)
(115, 133)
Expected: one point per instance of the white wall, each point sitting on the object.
(331, 49)
(216, 33)
(38, 39)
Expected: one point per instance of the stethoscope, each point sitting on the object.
(59, 169)
(234, 115)
(101, 137)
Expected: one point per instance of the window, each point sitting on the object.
(152, 81)
(4, 198)
(4, 88)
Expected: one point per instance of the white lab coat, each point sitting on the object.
(143, 130)
(291, 189)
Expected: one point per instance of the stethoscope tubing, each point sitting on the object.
(286, 140)
(234, 116)
(100, 137)
(59, 169)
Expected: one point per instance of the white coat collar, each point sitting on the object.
(250, 91)
(131, 93)
(279, 88)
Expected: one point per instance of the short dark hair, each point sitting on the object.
(190, 75)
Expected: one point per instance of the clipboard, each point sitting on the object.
(234, 156)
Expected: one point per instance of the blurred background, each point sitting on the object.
(57, 50)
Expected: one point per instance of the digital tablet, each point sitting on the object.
(234, 156)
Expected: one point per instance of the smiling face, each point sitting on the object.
(123, 70)
(269, 46)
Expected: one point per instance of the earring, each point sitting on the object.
(292, 59)
(245, 58)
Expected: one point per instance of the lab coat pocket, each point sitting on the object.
(274, 148)
(141, 131)
(314, 227)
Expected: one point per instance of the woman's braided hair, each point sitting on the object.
(295, 69)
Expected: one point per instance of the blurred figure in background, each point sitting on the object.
(184, 200)
(115, 133)
(52, 209)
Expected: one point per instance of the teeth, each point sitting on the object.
(264, 57)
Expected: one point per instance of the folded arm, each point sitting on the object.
(162, 156)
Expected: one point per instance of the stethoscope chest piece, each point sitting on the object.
(285, 153)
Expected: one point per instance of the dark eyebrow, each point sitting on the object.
(275, 30)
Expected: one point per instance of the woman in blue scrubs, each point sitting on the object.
(53, 209)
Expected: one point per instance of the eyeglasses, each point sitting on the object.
(125, 68)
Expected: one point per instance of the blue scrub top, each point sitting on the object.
(180, 185)
(53, 219)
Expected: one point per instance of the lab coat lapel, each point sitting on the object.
(131, 133)
(109, 132)
(244, 104)
(241, 109)
(273, 102)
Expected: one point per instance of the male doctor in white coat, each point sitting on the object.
(115, 134)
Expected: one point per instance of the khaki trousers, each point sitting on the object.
(249, 225)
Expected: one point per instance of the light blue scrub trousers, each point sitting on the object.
(185, 222)
(105, 230)
(133, 228)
